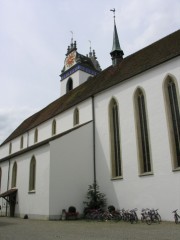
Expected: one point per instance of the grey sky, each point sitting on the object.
(35, 34)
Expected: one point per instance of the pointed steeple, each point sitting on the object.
(117, 52)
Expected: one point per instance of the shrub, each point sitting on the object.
(95, 199)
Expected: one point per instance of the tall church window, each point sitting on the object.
(76, 116)
(69, 85)
(21, 142)
(10, 148)
(142, 133)
(14, 175)
(115, 139)
(36, 135)
(173, 114)
(32, 174)
(54, 127)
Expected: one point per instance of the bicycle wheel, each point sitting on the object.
(176, 219)
(148, 220)
(142, 219)
(159, 217)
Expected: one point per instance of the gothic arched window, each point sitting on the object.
(14, 175)
(35, 135)
(21, 142)
(142, 132)
(54, 127)
(173, 115)
(76, 116)
(69, 85)
(115, 139)
(10, 148)
(32, 174)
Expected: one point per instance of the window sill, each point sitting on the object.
(146, 174)
(176, 169)
(116, 178)
(32, 192)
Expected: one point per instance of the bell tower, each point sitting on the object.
(77, 68)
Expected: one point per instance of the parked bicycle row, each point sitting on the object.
(147, 215)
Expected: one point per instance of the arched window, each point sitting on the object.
(69, 85)
(173, 116)
(115, 139)
(10, 148)
(54, 127)
(0, 178)
(32, 174)
(36, 135)
(14, 175)
(142, 133)
(21, 142)
(76, 116)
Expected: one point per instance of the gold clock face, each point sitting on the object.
(70, 59)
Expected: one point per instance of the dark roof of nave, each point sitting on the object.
(147, 58)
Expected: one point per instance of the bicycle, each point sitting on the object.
(176, 216)
(145, 216)
(133, 216)
(154, 215)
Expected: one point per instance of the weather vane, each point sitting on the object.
(113, 10)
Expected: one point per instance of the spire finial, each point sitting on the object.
(71, 37)
(90, 53)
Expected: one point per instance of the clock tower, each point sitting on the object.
(77, 68)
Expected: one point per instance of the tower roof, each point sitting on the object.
(73, 58)
(116, 44)
(117, 52)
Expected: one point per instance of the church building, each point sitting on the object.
(119, 127)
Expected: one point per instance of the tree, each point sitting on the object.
(95, 199)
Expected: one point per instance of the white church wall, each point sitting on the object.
(4, 150)
(64, 122)
(71, 170)
(34, 203)
(161, 189)
(3, 187)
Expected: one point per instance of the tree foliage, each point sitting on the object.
(95, 199)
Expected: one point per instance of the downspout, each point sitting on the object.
(8, 182)
(94, 141)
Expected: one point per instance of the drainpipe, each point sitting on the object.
(8, 182)
(94, 140)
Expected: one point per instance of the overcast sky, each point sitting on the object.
(35, 34)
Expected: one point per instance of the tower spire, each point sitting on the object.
(117, 52)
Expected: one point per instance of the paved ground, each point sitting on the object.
(21, 229)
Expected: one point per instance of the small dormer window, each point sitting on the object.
(69, 85)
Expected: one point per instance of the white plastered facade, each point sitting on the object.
(64, 165)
